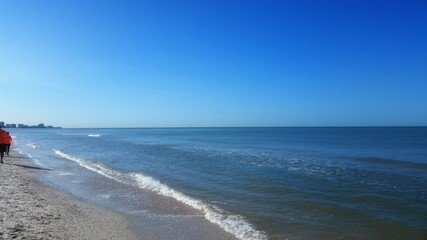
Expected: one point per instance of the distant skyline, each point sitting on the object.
(213, 63)
(23, 125)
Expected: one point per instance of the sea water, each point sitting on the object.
(245, 183)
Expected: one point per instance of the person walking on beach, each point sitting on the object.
(8, 142)
(4, 139)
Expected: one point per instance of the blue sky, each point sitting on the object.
(213, 63)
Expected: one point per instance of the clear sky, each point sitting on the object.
(88, 63)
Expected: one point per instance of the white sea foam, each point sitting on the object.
(36, 161)
(104, 196)
(32, 145)
(65, 174)
(14, 137)
(94, 135)
(22, 153)
(76, 181)
(98, 168)
(234, 224)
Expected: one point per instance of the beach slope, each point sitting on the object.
(31, 210)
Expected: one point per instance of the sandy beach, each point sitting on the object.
(31, 210)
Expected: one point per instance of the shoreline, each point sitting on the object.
(30, 209)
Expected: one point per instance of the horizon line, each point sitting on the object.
(353, 126)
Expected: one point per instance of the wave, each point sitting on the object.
(36, 161)
(95, 167)
(76, 181)
(32, 145)
(234, 224)
(104, 196)
(65, 174)
(394, 162)
(94, 135)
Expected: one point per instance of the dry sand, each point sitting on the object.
(31, 210)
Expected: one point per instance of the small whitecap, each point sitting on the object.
(76, 181)
(104, 196)
(94, 135)
(32, 145)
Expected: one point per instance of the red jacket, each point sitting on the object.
(4, 137)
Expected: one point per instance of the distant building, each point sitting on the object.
(12, 125)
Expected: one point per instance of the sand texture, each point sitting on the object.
(31, 210)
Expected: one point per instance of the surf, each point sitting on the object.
(94, 135)
(235, 224)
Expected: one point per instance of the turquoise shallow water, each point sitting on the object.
(254, 183)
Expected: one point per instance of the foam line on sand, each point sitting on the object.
(31, 210)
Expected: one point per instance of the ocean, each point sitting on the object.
(244, 183)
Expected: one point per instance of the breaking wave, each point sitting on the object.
(234, 224)
(94, 135)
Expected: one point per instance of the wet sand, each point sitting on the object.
(31, 210)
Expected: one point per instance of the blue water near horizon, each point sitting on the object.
(258, 183)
